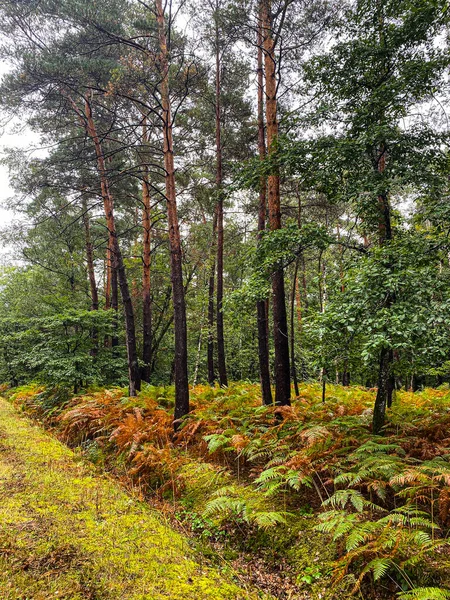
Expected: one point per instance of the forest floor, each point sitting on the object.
(69, 533)
(293, 503)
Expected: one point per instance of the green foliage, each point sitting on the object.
(430, 593)
(235, 504)
(63, 349)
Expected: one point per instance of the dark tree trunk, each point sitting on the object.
(292, 337)
(179, 305)
(211, 307)
(91, 272)
(114, 302)
(210, 345)
(116, 256)
(280, 332)
(346, 375)
(384, 393)
(146, 260)
(108, 262)
(90, 257)
(221, 363)
(385, 375)
(261, 307)
(263, 349)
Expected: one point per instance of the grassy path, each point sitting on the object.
(67, 533)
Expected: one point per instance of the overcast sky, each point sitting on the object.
(6, 139)
(10, 137)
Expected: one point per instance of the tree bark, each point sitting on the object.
(116, 256)
(292, 326)
(385, 376)
(221, 362)
(90, 256)
(108, 263)
(281, 340)
(146, 264)
(114, 302)
(261, 307)
(181, 369)
(382, 397)
(91, 272)
(211, 282)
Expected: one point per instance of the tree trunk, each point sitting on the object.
(385, 375)
(90, 256)
(116, 257)
(281, 340)
(91, 272)
(199, 349)
(146, 263)
(292, 324)
(108, 263)
(261, 307)
(210, 348)
(114, 302)
(221, 363)
(382, 397)
(181, 370)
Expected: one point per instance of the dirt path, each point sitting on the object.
(68, 533)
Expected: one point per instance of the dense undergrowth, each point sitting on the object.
(305, 497)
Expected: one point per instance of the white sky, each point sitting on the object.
(9, 138)
(6, 139)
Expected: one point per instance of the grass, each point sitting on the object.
(68, 533)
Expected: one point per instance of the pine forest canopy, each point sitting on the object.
(231, 190)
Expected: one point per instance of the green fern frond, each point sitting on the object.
(216, 441)
(379, 567)
(430, 593)
(266, 519)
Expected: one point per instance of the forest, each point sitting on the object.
(226, 280)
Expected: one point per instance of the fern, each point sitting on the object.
(428, 593)
(216, 441)
(231, 503)
(341, 498)
(379, 567)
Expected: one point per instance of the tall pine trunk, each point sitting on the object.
(117, 265)
(221, 363)
(179, 305)
(211, 311)
(146, 263)
(261, 306)
(280, 330)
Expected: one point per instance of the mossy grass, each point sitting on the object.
(66, 532)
